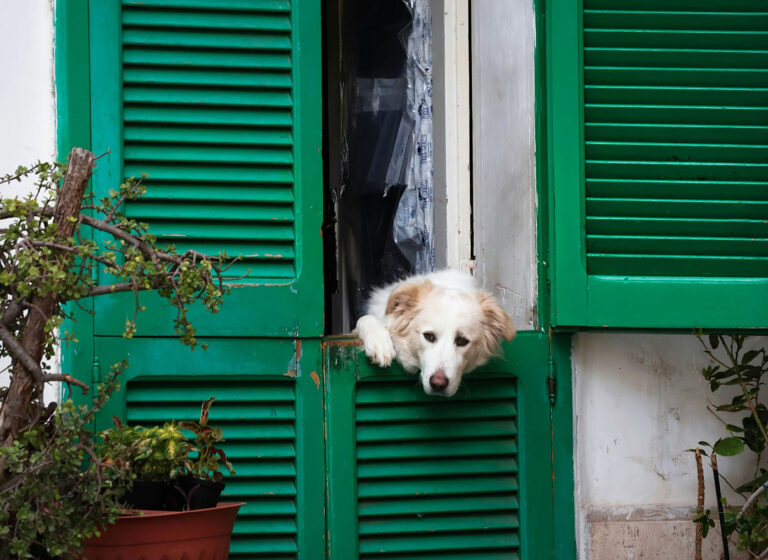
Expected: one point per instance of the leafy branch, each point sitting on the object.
(48, 257)
(735, 363)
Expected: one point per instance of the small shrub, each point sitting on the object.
(745, 417)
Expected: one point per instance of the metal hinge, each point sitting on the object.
(552, 381)
(95, 374)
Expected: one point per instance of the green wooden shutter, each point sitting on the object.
(659, 170)
(416, 477)
(271, 419)
(220, 104)
(437, 476)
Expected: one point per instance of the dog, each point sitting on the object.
(438, 324)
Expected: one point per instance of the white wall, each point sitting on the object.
(27, 99)
(639, 403)
(503, 154)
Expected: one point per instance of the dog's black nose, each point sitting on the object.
(438, 381)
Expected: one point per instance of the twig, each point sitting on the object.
(8, 179)
(111, 289)
(721, 515)
(700, 503)
(65, 378)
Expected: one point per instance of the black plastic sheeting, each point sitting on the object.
(378, 141)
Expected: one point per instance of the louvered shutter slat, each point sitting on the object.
(219, 105)
(437, 479)
(161, 103)
(661, 146)
(258, 419)
(626, 86)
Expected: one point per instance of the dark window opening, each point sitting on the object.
(378, 150)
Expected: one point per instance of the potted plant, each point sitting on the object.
(186, 477)
(152, 455)
(55, 489)
(202, 485)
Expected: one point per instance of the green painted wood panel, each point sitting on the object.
(269, 404)
(427, 477)
(220, 105)
(73, 128)
(659, 163)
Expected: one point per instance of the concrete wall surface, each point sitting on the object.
(639, 403)
(503, 154)
(27, 99)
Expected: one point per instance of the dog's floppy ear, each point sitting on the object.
(405, 298)
(496, 323)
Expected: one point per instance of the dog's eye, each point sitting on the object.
(461, 341)
(430, 336)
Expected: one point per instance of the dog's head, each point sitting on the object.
(444, 333)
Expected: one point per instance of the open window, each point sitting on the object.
(380, 188)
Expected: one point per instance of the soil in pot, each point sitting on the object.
(193, 493)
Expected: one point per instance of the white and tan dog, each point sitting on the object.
(438, 324)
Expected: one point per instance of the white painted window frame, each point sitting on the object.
(452, 133)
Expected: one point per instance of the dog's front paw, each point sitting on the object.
(377, 343)
(380, 350)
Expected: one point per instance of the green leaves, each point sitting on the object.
(155, 453)
(57, 492)
(753, 437)
(741, 369)
(729, 446)
(208, 459)
(706, 522)
(62, 492)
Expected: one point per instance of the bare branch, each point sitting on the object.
(65, 378)
(110, 289)
(13, 311)
(18, 352)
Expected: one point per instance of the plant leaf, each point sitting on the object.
(727, 447)
(749, 356)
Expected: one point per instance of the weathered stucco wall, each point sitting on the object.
(27, 101)
(503, 154)
(639, 403)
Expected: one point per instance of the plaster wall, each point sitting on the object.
(639, 403)
(503, 154)
(27, 98)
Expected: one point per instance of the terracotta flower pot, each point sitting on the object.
(167, 535)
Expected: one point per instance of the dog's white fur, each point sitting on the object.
(403, 318)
